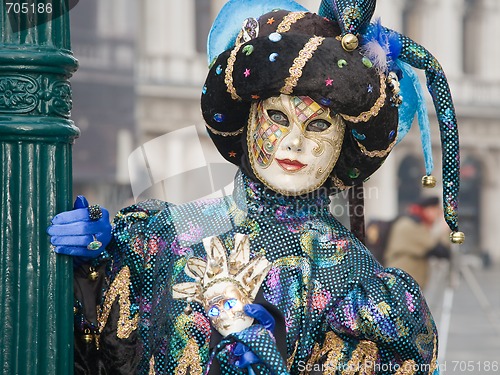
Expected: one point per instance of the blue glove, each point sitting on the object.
(246, 356)
(72, 231)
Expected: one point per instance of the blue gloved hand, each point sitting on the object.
(246, 357)
(75, 233)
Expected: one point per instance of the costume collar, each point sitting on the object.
(253, 197)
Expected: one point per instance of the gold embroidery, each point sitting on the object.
(190, 360)
(228, 79)
(299, 62)
(225, 134)
(119, 288)
(152, 365)
(425, 338)
(363, 359)
(376, 153)
(365, 116)
(289, 20)
(314, 358)
(339, 184)
(134, 215)
(408, 368)
(289, 360)
(434, 364)
(332, 347)
(384, 308)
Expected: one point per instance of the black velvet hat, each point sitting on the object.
(301, 54)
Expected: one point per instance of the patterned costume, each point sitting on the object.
(340, 309)
(283, 73)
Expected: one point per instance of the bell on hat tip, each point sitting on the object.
(457, 237)
(428, 181)
(350, 42)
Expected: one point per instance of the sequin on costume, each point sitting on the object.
(328, 287)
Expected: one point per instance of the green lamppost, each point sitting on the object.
(36, 134)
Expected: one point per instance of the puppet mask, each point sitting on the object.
(224, 286)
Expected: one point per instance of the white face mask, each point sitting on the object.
(293, 143)
(224, 307)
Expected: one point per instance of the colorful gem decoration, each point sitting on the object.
(219, 117)
(391, 135)
(275, 37)
(246, 73)
(94, 245)
(250, 29)
(255, 97)
(325, 101)
(354, 173)
(370, 88)
(366, 62)
(270, 21)
(358, 136)
(273, 56)
(341, 63)
(232, 154)
(204, 90)
(328, 82)
(218, 70)
(248, 49)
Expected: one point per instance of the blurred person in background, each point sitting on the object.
(415, 237)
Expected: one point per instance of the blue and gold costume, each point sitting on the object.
(341, 310)
(337, 310)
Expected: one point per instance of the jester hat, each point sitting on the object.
(259, 49)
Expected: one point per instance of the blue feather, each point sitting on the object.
(414, 102)
(387, 39)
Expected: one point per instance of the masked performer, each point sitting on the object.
(266, 280)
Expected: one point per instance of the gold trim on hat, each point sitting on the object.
(338, 183)
(365, 116)
(228, 78)
(299, 62)
(225, 134)
(289, 20)
(376, 153)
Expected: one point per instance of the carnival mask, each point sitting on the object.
(224, 286)
(294, 143)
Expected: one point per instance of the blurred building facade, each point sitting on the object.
(104, 97)
(144, 64)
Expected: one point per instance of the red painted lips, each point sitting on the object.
(290, 165)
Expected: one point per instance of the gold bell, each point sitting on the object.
(87, 336)
(350, 42)
(93, 274)
(429, 181)
(457, 237)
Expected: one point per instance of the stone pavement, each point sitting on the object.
(470, 335)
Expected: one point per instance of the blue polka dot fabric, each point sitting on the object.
(341, 309)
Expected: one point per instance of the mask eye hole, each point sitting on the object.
(230, 303)
(213, 312)
(278, 117)
(318, 126)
